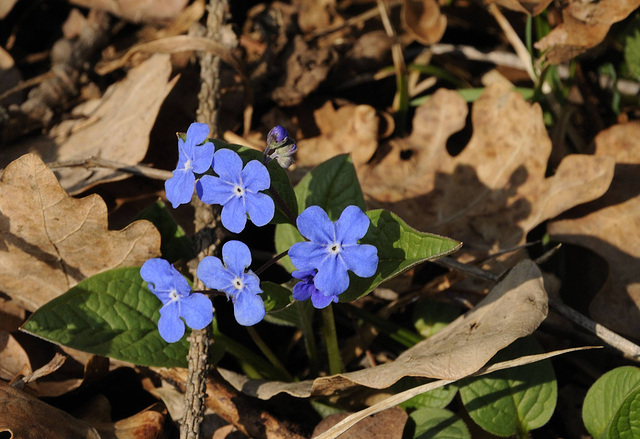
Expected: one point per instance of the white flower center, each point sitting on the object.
(187, 165)
(334, 248)
(238, 284)
(173, 295)
(238, 191)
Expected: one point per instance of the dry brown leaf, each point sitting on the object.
(148, 424)
(138, 11)
(585, 24)
(610, 226)
(24, 416)
(14, 360)
(350, 129)
(423, 20)
(494, 192)
(387, 424)
(533, 7)
(117, 128)
(513, 309)
(50, 241)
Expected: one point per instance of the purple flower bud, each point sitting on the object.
(280, 147)
(276, 137)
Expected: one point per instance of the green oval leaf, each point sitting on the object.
(332, 185)
(437, 423)
(400, 247)
(513, 401)
(436, 398)
(111, 314)
(274, 296)
(626, 423)
(605, 397)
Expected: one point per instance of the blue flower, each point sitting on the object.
(280, 147)
(191, 159)
(306, 289)
(240, 285)
(333, 248)
(177, 300)
(237, 190)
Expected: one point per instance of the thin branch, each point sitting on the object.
(97, 162)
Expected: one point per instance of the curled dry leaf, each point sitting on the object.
(24, 416)
(138, 11)
(116, 128)
(610, 227)
(585, 24)
(494, 192)
(513, 309)
(388, 424)
(14, 360)
(350, 129)
(148, 424)
(50, 241)
(423, 20)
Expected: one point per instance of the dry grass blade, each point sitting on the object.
(401, 397)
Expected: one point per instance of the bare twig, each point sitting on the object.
(97, 162)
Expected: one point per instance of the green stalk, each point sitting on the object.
(267, 352)
(308, 336)
(331, 340)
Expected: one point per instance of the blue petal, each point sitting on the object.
(255, 176)
(352, 225)
(362, 259)
(213, 274)
(203, 158)
(170, 326)
(260, 208)
(213, 190)
(158, 274)
(228, 165)
(196, 310)
(197, 133)
(304, 274)
(319, 300)
(179, 188)
(234, 215)
(252, 283)
(248, 309)
(307, 255)
(332, 278)
(314, 224)
(303, 290)
(237, 257)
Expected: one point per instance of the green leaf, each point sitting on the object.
(436, 423)
(430, 316)
(512, 401)
(436, 398)
(111, 314)
(626, 422)
(605, 397)
(279, 179)
(332, 185)
(400, 247)
(175, 244)
(275, 296)
(632, 52)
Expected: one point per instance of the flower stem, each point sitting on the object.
(271, 262)
(268, 353)
(331, 340)
(282, 205)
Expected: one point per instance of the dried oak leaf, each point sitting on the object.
(423, 20)
(138, 11)
(533, 7)
(610, 226)
(494, 192)
(388, 424)
(23, 416)
(14, 360)
(349, 129)
(50, 241)
(115, 128)
(585, 24)
(514, 308)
